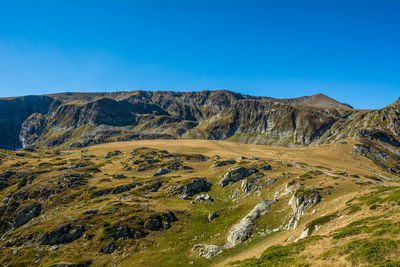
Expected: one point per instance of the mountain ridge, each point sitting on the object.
(69, 120)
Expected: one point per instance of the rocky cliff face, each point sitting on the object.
(81, 119)
(13, 113)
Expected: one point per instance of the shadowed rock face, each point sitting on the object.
(13, 113)
(62, 235)
(27, 214)
(81, 119)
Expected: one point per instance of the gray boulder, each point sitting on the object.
(270, 181)
(301, 201)
(62, 235)
(118, 176)
(267, 167)
(235, 174)
(240, 233)
(212, 216)
(222, 163)
(207, 251)
(198, 185)
(246, 186)
(156, 186)
(244, 229)
(161, 171)
(253, 183)
(121, 189)
(27, 214)
(112, 154)
(205, 198)
(108, 248)
(154, 223)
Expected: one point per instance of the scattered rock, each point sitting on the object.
(240, 233)
(161, 171)
(102, 192)
(234, 174)
(64, 234)
(90, 212)
(153, 223)
(212, 216)
(205, 198)
(118, 176)
(270, 181)
(108, 248)
(112, 154)
(156, 186)
(304, 234)
(9, 243)
(252, 184)
(74, 179)
(120, 189)
(246, 186)
(243, 230)
(223, 163)
(301, 201)
(27, 214)
(169, 216)
(207, 251)
(198, 185)
(156, 222)
(267, 167)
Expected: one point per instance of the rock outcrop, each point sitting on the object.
(205, 198)
(156, 222)
(197, 185)
(301, 201)
(166, 114)
(56, 120)
(62, 235)
(252, 183)
(240, 233)
(161, 171)
(109, 247)
(212, 215)
(206, 251)
(235, 174)
(243, 230)
(27, 214)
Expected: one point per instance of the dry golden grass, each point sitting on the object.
(335, 164)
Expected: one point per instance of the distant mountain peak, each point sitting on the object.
(321, 101)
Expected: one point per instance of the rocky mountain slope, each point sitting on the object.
(197, 203)
(70, 120)
(80, 119)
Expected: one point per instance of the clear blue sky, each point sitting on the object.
(349, 50)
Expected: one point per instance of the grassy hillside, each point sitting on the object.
(109, 190)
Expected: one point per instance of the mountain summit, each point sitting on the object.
(323, 101)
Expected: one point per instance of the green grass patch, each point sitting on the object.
(320, 221)
(281, 255)
(371, 251)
